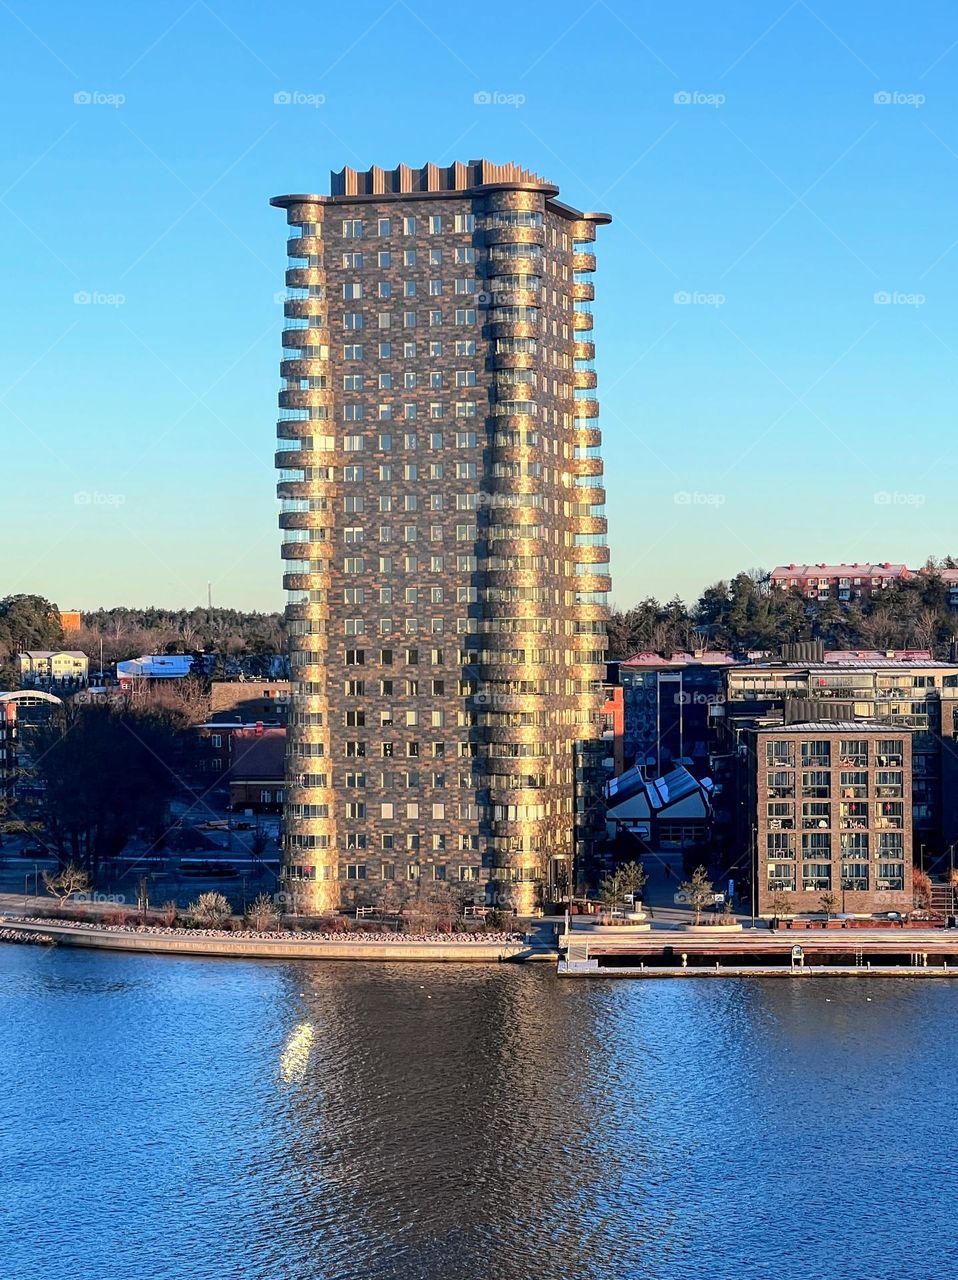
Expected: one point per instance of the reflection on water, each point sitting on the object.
(295, 1120)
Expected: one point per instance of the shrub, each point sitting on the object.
(262, 914)
(210, 910)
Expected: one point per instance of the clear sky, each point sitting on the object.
(779, 413)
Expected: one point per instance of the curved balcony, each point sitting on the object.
(510, 297)
(586, 408)
(593, 582)
(583, 262)
(582, 291)
(303, 308)
(582, 321)
(515, 422)
(585, 379)
(303, 277)
(296, 488)
(587, 437)
(314, 368)
(514, 235)
(587, 467)
(593, 493)
(512, 329)
(592, 612)
(297, 214)
(307, 520)
(592, 555)
(304, 246)
(308, 398)
(297, 339)
(583, 350)
(581, 231)
(589, 524)
(514, 360)
(307, 581)
(519, 266)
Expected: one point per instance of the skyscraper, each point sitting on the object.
(444, 534)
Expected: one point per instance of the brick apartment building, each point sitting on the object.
(829, 806)
(250, 700)
(917, 695)
(444, 534)
(845, 582)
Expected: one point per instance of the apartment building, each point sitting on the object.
(829, 807)
(669, 702)
(444, 534)
(838, 581)
(52, 667)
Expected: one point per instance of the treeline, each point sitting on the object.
(31, 622)
(746, 614)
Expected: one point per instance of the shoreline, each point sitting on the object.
(153, 940)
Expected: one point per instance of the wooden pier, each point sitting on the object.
(760, 952)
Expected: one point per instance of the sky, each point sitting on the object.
(775, 321)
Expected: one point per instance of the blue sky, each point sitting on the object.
(772, 167)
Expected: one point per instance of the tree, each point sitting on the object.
(262, 914)
(210, 910)
(66, 880)
(634, 877)
(829, 902)
(107, 772)
(699, 892)
(29, 622)
(921, 888)
(781, 904)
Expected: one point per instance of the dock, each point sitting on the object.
(671, 953)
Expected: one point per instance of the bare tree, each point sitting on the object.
(65, 881)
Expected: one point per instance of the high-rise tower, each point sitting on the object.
(444, 533)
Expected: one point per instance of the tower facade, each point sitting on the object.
(444, 534)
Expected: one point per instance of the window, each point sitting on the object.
(816, 876)
(353, 351)
(383, 258)
(353, 320)
(817, 753)
(780, 755)
(352, 228)
(383, 227)
(355, 871)
(409, 226)
(435, 224)
(352, 289)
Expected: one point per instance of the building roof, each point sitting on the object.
(52, 653)
(680, 658)
(877, 664)
(840, 570)
(631, 797)
(156, 666)
(874, 655)
(833, 726)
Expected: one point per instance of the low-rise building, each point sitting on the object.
(917, 695)
(153, 667)
(838, 581)
(671, 812)
(250, 700)
(669, 702)
(829, 808)
(53, 667)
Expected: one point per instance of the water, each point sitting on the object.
(166, 1117)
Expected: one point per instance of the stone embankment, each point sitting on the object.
(284, 944)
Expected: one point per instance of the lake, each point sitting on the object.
(166, 1117)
